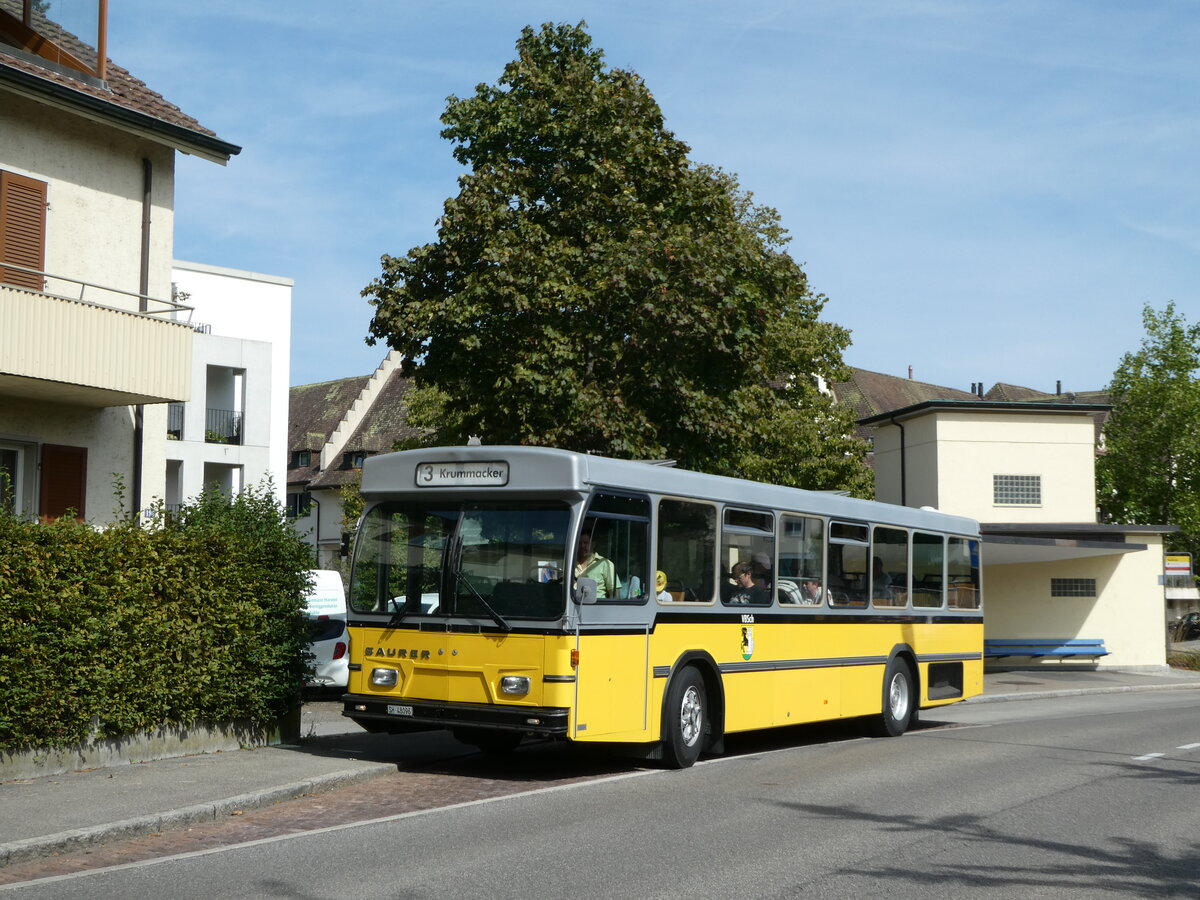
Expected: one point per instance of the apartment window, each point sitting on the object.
(1072, 587)
(299, 504)
(1017, 490)
(354, 460)
(22, 229)
(301, 459)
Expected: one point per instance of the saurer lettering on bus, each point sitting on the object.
(396, 653)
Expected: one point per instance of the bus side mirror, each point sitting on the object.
(584, 592)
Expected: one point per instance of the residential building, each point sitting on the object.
(92, 346)
(233, 430)
(1025, 469)
(332, 427)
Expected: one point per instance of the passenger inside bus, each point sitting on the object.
(744, 590)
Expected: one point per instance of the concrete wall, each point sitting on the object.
(1127, 612)
(972, 447)
(248, 319)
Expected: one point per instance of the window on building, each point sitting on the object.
(354, 459)
(299, 503)
(1017, 490)
(22, 230)
(63, 481)
(301, 459)
(1072, 587)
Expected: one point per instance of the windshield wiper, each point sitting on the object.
(496, 617)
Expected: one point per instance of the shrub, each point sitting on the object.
(199, 618)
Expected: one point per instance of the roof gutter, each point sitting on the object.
(61, 96)
(903, 464)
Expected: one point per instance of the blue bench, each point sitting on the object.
(1062, 648)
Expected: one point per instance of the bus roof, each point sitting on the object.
(453, 471)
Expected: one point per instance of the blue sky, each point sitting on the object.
(985, 191)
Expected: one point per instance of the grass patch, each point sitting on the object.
(1184, 659)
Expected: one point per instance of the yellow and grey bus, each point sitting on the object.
(505, 592)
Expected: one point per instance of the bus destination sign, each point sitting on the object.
(462, 474)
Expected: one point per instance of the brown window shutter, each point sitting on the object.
(63, 481)
(22, 229)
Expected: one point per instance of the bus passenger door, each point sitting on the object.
(612, 679)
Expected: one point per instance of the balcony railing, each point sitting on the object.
(71, 341)
(175, 421)
(74, 289)
(223, 426)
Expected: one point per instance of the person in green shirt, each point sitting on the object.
(592, 565)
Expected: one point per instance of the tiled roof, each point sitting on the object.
(1010, 392)
(316, 409)
(121, 92)
(871, 393)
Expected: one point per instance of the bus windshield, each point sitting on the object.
(480, 560)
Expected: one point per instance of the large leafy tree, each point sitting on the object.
(593, 289)
(1150, 471)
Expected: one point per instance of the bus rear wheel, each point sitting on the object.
(898, 701)
(686, 719)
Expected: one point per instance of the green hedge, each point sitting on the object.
(198, 618)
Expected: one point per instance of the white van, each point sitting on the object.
(330, 646)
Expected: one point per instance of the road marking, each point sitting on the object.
(1189, 747)
(1148, 756)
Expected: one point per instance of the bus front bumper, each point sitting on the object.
(415, 715)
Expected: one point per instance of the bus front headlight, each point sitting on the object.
(384, 677)
(514, 684)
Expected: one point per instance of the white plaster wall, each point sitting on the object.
(322, 527)
(920, 467)
(106, 433)
(972, 447)
(94, 175)
(255, 454)
(1127, 614)
(253, 310)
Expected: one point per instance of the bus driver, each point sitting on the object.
(596, 567)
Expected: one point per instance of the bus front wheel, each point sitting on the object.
(686, 719)
(898, 700)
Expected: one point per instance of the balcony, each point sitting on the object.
(63, 345)
(222, 426)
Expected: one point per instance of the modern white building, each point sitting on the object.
(233, 430)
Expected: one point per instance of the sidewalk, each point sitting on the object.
(41, 816)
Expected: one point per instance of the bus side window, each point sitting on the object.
(962, 569)
(687, 551)
(928, 559)
(619, 547)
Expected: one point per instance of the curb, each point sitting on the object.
(1079, 692)
(79, 838)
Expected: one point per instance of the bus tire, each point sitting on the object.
(899, 700)
(489, 741)
(686, 719)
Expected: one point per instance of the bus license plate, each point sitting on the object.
(399, 710)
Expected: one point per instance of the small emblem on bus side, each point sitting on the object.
(747, 643)
(747, 618)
